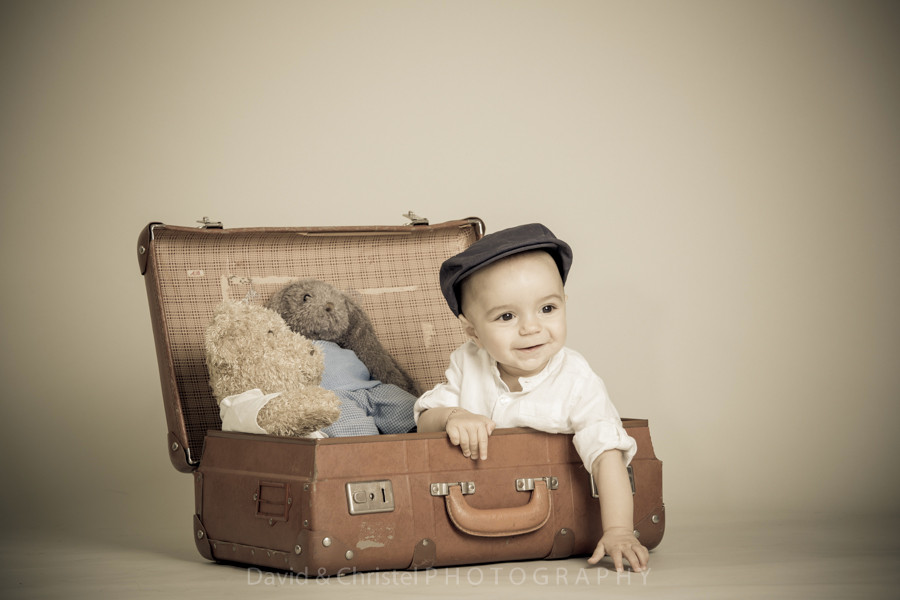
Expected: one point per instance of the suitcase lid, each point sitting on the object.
(391, 271)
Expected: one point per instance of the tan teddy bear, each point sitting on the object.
(250, 351)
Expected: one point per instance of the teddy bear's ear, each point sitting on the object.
(218, 356)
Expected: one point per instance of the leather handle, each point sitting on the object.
(500, 522)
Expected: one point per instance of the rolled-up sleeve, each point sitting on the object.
(597, 425)
(597, 438)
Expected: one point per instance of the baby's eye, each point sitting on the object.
(506, 317)
(548, 309)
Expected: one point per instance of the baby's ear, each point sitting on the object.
(469, 329)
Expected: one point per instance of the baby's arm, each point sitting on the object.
(467, 430)
(617, 514)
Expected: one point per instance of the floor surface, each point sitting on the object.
(723, 557)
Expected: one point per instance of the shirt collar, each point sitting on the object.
(528, 383)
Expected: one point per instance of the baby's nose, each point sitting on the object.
(529, 326)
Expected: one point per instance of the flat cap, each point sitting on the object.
(495, 246)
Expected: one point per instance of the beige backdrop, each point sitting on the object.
(727, 173)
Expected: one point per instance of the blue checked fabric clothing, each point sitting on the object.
(368, 407)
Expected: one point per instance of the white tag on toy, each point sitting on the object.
(238, 413)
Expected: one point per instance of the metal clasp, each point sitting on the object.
(596, 494)
(527, 484)
(365, 497)
(206, 223)
(443, 489)
(415, 219)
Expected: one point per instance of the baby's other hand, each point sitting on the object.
(470, 432)
(620, 543)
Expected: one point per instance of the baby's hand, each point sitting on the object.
(470, 432)
(620, 543)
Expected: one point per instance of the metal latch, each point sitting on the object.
(364, 497)
(596, 494)
(443, 489)
(415, 219)
(527, 484)
(206, 223)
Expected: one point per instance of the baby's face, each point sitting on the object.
(516, 310)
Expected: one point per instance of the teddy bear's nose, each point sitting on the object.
(329, 306)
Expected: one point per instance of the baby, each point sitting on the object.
(515, 371)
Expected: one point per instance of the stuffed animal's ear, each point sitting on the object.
(275, 301)
(357, 316)
(286, 304)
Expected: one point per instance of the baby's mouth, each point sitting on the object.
(531, 348)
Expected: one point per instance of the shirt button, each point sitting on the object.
(504, 399)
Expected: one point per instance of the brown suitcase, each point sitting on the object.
(339, 505)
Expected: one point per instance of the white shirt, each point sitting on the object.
(565, 397)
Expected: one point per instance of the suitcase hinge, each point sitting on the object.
(443, 489)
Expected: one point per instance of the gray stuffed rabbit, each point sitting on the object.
(319, 311)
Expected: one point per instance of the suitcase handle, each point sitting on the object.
(499, 522)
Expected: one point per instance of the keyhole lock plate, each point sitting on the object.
(365, 497)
